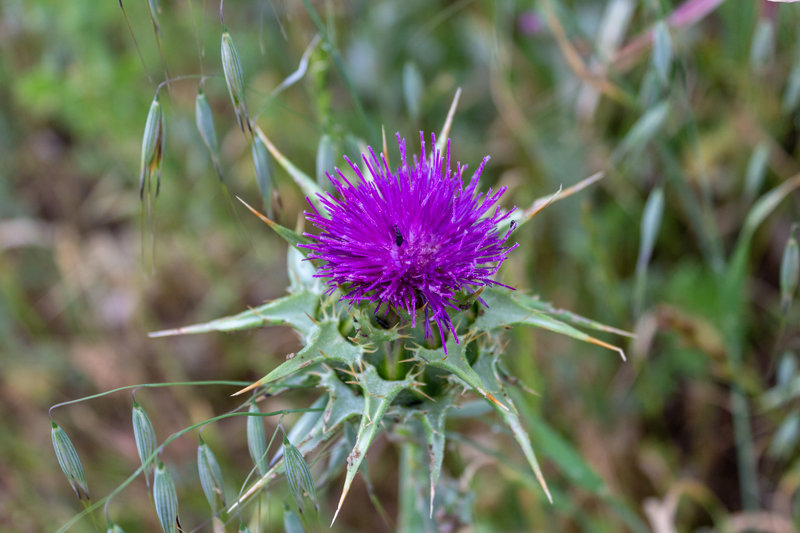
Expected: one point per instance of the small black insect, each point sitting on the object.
(398, 238)
(513, 225)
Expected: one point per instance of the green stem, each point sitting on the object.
(413, 516)
(337, 60)
(149, 385)
(745, 452)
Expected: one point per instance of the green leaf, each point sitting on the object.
(325, 344)
(301, 273)
(339, 451)
(785, 438)
(485, 368)
(291, 237)
(790, 271)
(303, 180)
(433, 420)
(293, 310)
(412, 505)
(378, 395)
(662, 51)
(651, 223)
(505, 309)
(574, 319)
(756, 171)
(642, 131)
(343, 402)
(763, 207)
(455, 362)
(325, 160)
(791, 95)
(762, 48)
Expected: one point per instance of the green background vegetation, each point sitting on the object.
(704, 413)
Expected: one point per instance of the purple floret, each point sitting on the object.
(411, 239)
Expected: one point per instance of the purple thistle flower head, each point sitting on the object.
(412, 238)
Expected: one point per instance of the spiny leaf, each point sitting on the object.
(506, 310)
(339, 451)
(378, 395)
(433, 420)
(485, 368)
(325, 344)
(343, 402)
(455, 362)
(568, 316)
(293, 310)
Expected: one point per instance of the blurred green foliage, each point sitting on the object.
(554, 90)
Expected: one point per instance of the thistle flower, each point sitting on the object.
(414, 239)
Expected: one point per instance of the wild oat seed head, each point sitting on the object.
(412, 238)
